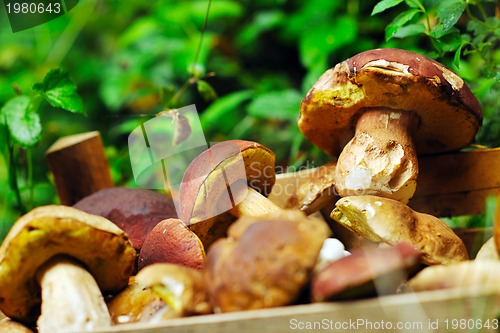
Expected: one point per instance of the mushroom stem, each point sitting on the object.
(254, 204)
(71, 299)
(381, 158)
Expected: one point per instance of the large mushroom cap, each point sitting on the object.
(134, 210)
(203, 193)
(102, 247)
(396, 79)
(264, 262)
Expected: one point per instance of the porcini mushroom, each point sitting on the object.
(171, 241)
(264, 262)
(366, 272)
(159, 292)
(399, 103)
(389, 221)
(233, 176)
(10, 326)
(59, 258)
(134, 210)
(309, 190)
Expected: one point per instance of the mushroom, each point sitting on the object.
(159, 292)
(10, 326)
(171, 241)
(399, 103)
(264, 262)
(488, 251)
(58, 258)
(366, 272)
(309, 190)
(389, 221)
(472, 274)
(231, 176)
(134, 210)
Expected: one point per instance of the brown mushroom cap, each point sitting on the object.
(396, 79)
(100, 245)
(134, 210)
(160, 292)
(171, 241)
(204, 186)
(264, 262)
(366, 272)
(390, 221)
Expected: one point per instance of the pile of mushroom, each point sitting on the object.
(247, 238)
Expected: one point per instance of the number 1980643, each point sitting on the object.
(33, 8)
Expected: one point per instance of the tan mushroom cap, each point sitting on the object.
(100, 245)
(206, 180)
(389, 221)
(265, 261)
(395, 79)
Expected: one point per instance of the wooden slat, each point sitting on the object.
(419, 309)
(457, 183)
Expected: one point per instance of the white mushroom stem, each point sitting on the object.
(380, 159)
(71, 299)
(253, 204)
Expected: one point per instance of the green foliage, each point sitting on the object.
(22, 130)
(24, 126)
(246, 66)
(60, 91)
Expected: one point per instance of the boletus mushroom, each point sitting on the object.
(472, 274)
(134, 210)
(57, 259)
(232, 176)
(396, 103)
(390, 221)
(171, 241)
(8, 325)
(264, 262)
(160, 292)
(366, 272)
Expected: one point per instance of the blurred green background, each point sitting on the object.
(258, 58)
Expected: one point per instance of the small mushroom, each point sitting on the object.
(396, 103)
(171, 241)
(231, 176)
(473, 275)
(309, 190)
(488, 251)
(264, 262)
(10, 326)
(134, 210)
(58, 258)
(390, 221)
(366, 272)
(160, 292)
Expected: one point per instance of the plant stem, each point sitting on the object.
(29, 177)
(13, 175)
(192, 79)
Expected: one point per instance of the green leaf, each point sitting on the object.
(409, 30)
(60, 91)
(385, 4)
(279, 105)
(24, 126)
(206, 91)
(449, 12)
(398, 22)
(414, 4)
